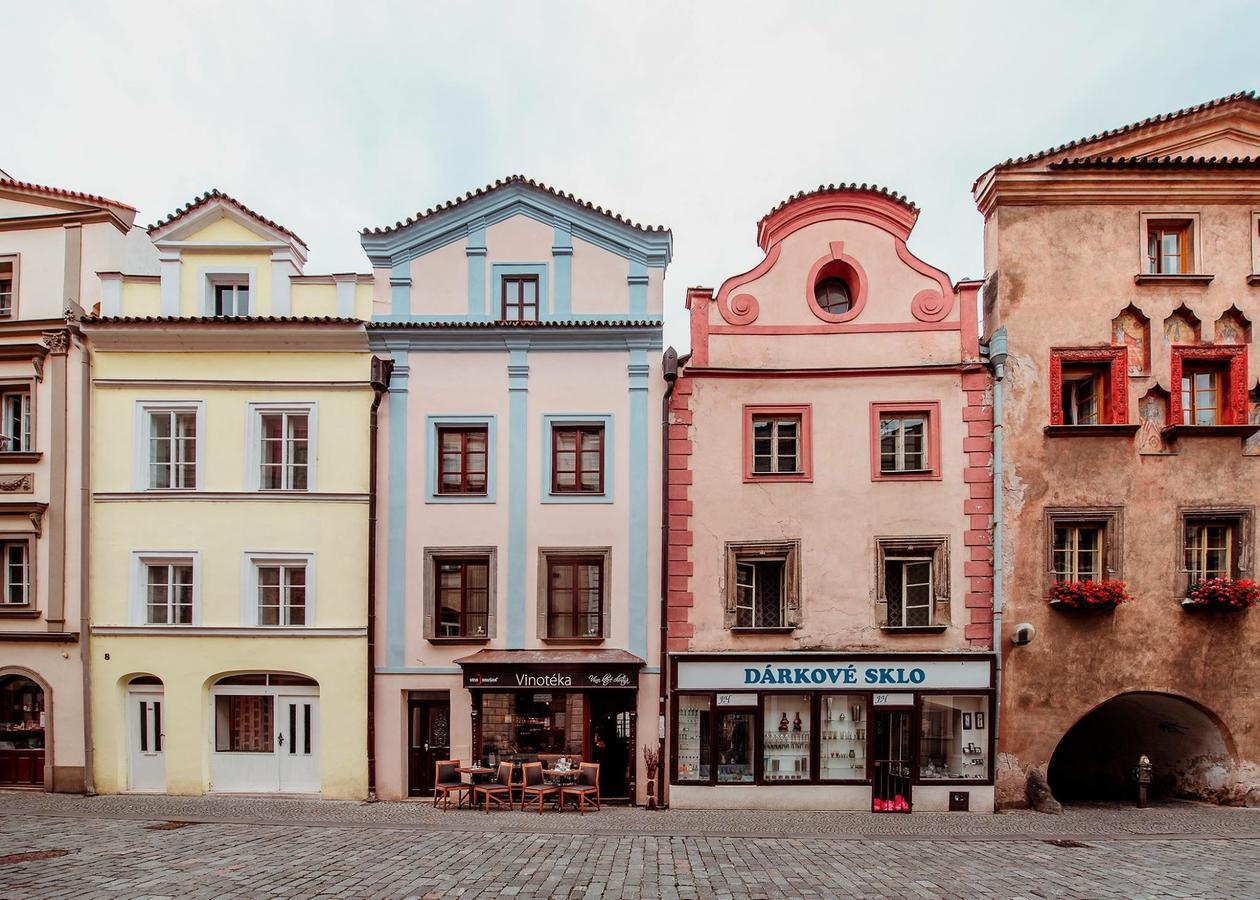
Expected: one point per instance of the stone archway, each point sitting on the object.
(1095, 759)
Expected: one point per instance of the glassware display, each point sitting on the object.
(842, 738)
(954, 738)
(694, 716)
(786, 742)
(735, 746)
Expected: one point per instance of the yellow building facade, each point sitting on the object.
(231, 397)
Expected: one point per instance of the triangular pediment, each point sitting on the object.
(216, 218)
(19, 199)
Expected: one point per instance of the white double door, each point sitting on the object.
(265, 742)
(146, 762)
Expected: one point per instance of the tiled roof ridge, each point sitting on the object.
(548, 323)
(62, 192)
(216, 194)
(1165, 160)
(221, 320)
(504, 182)
(1134, 126)
(845, 188)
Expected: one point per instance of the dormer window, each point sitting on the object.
(231, 298)
(520, 298)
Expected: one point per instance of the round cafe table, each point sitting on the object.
(474, 773)
(560, 778)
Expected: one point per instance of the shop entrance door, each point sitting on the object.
(297, 747)
(612, 741)
(147, 762)
(893, 760)
(429, 740)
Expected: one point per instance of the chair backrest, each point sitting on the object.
(533, 774)
(588, 774)
(504, 775)
(447, 771)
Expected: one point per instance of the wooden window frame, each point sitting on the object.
(549, 555)
(464, 431)
(805, 451)
(1113, 364)
(28, 541)
(580, 429)
(515, 280)
(26, 387)
(754, 551)
(1242, 554)
(1254, 277)
(15, 261)
(578, 615)
(1184, 230)
(751, 565)
(463, 562)
(1231, 359)
(1074, 573)
(1109, 518)
(433, 556)
(930, 547)
(929, 410)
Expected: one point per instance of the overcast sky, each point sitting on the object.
(701, 116)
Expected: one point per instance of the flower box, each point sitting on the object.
(1222, 593)
(1088, 594)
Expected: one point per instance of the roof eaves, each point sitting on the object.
(845, 188)
(216, 194)
(14, 184)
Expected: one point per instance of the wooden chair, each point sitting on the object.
(447, 781)
(499, 790)
(587, 787)
(533, 785)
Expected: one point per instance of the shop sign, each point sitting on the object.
(854, 673)
(527, 677)
(893, 699)
(736, 699)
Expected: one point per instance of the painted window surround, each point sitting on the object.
(542, 598)
(1196, 240)
(931, 410)
(211, 277)
(253, 444)
(1241, 518)
(431, 557)
(29, 385)
(806, 448)
(432, 424)
(1115, 360)
(933, 547)
(136, 599)
(251, 560)
(501, 270)
(1232, 358)
(140, 475)
(1110, 519)
(30, 607)
(552, 420)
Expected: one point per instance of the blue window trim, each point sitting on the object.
(431, 425)
(609, 474)
(498, 270)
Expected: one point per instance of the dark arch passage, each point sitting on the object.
(1096, 758)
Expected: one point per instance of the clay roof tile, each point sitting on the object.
(216, 194)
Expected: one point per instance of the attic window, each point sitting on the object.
(231, 299)
(833, 296)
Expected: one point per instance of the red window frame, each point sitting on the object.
(579, 432)
(519, 305)
(929, 410)
(1116, 396)
(575, 614)
(1232, 360)
(463, 562)
(464, 471)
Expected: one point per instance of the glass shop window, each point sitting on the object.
(785, 742)
(842, 738)
(243, 723)
(695, 723)
(735, 740)
(954, 738)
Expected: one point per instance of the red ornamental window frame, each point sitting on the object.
(1116, 401)
(1233, 360)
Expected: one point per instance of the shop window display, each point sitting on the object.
(523, 725)
(694, 723)
(735, 746)
(786, 740)
(842, 741)
(954, 738)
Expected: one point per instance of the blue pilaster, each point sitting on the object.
(638, 281)
(396, 540)
(475, 249)
(637, 589)
(518, 511)
(400, 290)
(562, 262)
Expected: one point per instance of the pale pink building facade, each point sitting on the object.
(517, 591)
(829, 596)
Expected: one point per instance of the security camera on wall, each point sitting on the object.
(1023, 634)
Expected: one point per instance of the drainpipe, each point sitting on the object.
(669, 370)
(85, 519)
(997, 359)
(381, 369)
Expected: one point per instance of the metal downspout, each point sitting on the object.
(85, 516)
(381, 369)
(669, 370)
(997, 359)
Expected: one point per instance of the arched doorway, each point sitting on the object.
(264, 734)
(23, 732)
(1095, 759)
(146, 734)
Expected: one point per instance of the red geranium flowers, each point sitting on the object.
(1089, 594)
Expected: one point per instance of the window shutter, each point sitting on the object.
(940, 585)
(792, 574)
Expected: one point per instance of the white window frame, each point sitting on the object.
(1202, 550)
(904, 562)
(250, 585)
(245, 277)
(142, 437)
(138, 601)
(899, 443)
(1074, 552)
(253, 444)
(28, 436)
(775, 421)
(750, 562)
(29, 593)
(14, 260)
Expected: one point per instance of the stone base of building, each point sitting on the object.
(837, 798)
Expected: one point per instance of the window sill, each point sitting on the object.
(800, 476)
(913, 629)
(1091, 430)
(786, 629)
(1173, 432)
(1069, 608)
(458, 640)
(1173, 279)
(909, 475)
(22, 612)
(573, 640)
(1254, 278)
(20, 456)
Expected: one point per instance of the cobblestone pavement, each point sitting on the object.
(125, 847)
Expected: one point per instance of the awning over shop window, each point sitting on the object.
(578, 670)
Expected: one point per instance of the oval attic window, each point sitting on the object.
(832, 295)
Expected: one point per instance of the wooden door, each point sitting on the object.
(428, 740)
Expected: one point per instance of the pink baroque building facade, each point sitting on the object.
(1122, 283)
(517, 591)
(829, 593)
